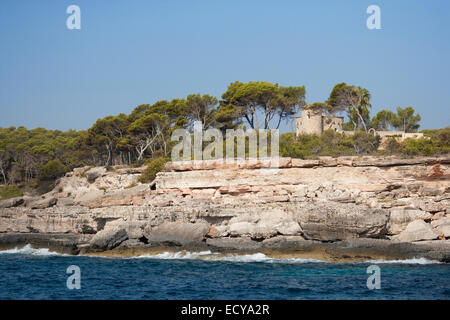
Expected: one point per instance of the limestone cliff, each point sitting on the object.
(349, 206)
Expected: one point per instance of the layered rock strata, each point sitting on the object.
(330, 208)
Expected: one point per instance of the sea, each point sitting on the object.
(29, 273)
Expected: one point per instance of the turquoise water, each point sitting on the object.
(38, 274)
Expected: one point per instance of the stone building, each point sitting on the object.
(313, 122)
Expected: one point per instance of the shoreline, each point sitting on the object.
(331, 209)
(346, 251)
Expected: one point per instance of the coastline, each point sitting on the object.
(347, 251)
(330, 209)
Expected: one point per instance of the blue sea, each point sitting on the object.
(28, 273)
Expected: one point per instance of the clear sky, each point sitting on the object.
(133, 52)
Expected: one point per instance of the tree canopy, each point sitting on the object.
(259, 102)
(38, 156)
(403, 120)
(355, 100)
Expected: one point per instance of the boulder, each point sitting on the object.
(218, 232)
(331, 221)
(243, 228)
(12, 202)
(417, 230)
(297, 243)
(123, 197)
(42, 203)
(438, 215)
(442, 226)
(401, 217)
(432, 206)
(87, 196)
(440, 222)
(264, 225)
(178, 233)
(427, 191)
(134, 229)
(92, 174)
(108, 239)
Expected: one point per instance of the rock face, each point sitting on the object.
(108, 239)
(338, 221)
(264, 225)
(401, 217)
(177, 234)
(244, 205)
(92, 174)
(417, 230)
(442, 226)
(43, 203)
(13, 202)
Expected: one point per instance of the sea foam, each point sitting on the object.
(213, 256)
(29, 250)
(406, 261)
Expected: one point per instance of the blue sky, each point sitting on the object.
(133, 52)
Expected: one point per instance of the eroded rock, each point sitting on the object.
(401, 217)
(417, 230)
(325, 221)
(178, 233)
(108, 239)
(12, 202)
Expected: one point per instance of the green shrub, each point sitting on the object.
(153, 167)
(440, 140)
(52, 170)
(329, 143)
(413, 147)
(365, 143)
(10, 191)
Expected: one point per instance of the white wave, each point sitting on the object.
(29, 250)
(176, 255)
(261, 257)
(406, 261)
(215, 256)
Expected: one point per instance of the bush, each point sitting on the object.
(392, 146)
(10, 191)
(330, 143)
(52, 170)
(440, 140)
(413, 147)
(365, 143)
(153, 167)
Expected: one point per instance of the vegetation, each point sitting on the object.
(330, 143)
(52, 170)
(10, 191)
(247, 101)
(36, 158)
(153, 167)
(355, 100)
(403, 120)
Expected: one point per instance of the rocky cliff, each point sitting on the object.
(330, 208)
